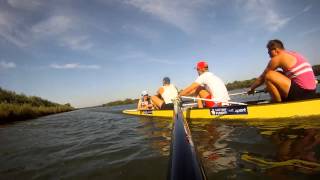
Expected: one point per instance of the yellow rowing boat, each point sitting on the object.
(301, 108)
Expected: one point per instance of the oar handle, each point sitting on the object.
(236, 94)
(213, 100)
(260, 91)
(241, 93)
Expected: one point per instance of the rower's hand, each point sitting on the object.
(178, 98)
(251, 91)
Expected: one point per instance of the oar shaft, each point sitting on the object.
(213, 100)
(190, 104)
(184, 163)
(241, 93)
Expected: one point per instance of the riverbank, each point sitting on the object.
(17, 112)
(124, 102)
(16, 107)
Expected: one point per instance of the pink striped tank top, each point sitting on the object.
(301, 73)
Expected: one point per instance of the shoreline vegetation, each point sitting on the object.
(316, 69)
(240, 84)
(121, 102)
(16, 107)
(230, 86)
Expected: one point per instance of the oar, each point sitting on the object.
(241, 93)
(184, 163)
(189, 104)
(213, 100)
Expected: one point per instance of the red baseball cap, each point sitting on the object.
(202, 65)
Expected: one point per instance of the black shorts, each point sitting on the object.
(298, 93)
(165, 106)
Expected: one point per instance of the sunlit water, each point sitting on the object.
(103, 143)
(95, 143)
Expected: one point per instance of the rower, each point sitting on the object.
(145, 102)
(296, 82)
(165, 95)
(207, 86)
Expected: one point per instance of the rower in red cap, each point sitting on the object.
(207, 86)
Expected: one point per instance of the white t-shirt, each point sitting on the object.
(169, 92)
(214, 86)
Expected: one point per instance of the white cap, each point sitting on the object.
(143, 93)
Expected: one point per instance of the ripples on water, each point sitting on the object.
(94, 143)
(102, 143)
(276, 149)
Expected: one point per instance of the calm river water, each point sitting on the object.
(103, 143)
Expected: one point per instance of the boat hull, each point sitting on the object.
(261, 111)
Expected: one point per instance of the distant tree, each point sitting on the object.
(240, 84)
(316, 69)
(124, 102)
(68, 104)
(20, 99)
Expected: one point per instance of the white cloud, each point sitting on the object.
(74, 66)
(179, 13)
(10, 31)
(262, 12)
(55, 29)
(23, 34)
(7, 65)
(266, 13)
(160, 61)
(19, 26)
(145, 58)
(274, 22)
(54, 25)
(142, 31)
(310, 31)
(14, 26)
(76, 42)
(12, 38)
(59, 27)
(24, 4)
(3, 19)
(307, 8)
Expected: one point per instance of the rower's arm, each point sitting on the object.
(160, 91)
(139, 105)
(272, 65)
(258, 82)
(189, 90)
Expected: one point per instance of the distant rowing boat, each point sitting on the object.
(301, 108)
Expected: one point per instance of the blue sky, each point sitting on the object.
(91, 52)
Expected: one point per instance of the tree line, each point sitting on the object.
(123, 102)
(316, 69)
(15, 106)
(13, 98)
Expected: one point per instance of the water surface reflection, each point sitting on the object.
(274, 149)
(103, 143)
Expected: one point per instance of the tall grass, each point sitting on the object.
(15, 106)
(124, 102)
(14, 112)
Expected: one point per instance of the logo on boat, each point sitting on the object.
(229, 110)
(147, 112)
